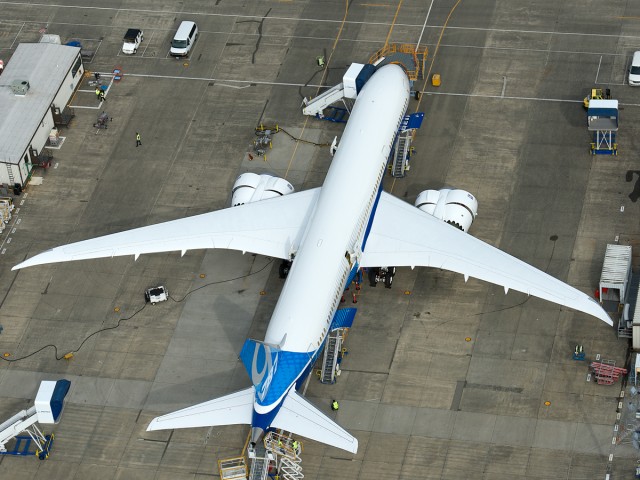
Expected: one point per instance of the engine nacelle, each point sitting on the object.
(251, 187)
(456, 207)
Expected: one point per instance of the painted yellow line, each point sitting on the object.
(386, 42)
(375, 5)
(324, 77)
(435, 52)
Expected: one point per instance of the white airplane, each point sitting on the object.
(348, 223)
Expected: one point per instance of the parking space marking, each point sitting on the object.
(147, 44)
(598, 71)
(17, 35)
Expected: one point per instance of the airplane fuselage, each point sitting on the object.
(331, 248)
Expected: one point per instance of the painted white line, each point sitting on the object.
(504, 86)
(147, 43)
(96, 52)
(205, 79)
(424, 25)
(598, 71)
(16, 37)
(87, 108)
(312, 20)
(479, 95)
(230, 86)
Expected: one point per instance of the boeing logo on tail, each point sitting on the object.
(305, 224)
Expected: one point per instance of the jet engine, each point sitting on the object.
(251, 187)
(456, 207)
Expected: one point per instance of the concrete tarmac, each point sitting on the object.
(444, 379)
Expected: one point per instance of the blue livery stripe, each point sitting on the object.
(371, 217)
(343, 318)
(272, 371)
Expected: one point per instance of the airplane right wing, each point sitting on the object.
(271, 227)
(402, 235)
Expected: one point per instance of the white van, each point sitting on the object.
(634, 70)
(184, 39)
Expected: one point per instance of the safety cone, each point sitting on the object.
(342, 299)
(357, 286)
(355, 300)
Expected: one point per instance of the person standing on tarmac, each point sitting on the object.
(334, 405)
(138, 142)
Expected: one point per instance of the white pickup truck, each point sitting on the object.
(132, 40)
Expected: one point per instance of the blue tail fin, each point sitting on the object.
(272, 371)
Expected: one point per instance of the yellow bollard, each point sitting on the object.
(435, 80)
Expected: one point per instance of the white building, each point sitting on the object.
(35, 87)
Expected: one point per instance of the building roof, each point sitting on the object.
(617, 264)
(44, 66)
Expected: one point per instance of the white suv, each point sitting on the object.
(634, 70)
(132, 40)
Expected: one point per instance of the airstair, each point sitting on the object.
(402, 149)
(332, 352)
(316, 106)
(401, 154)
(352, 82)
(47, 409)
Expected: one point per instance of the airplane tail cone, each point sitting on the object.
(256, 434)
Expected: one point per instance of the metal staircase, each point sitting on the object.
(278, 456)
(47, 409)
(315, 106)
(401, 154)
(289, 461)
(10, 173)
(330, 358)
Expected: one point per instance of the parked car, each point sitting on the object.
(184, 39)
(634, 70)
(132, 40)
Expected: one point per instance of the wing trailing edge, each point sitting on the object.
(233, 409)
(402, 235)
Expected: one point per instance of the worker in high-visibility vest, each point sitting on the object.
(334, 405)
(295, 446)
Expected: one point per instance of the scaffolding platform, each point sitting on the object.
(410, 58)
(606, 372)
(279, 456)
(602, 120)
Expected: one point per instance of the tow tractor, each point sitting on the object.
(154, 295)
(597, 94)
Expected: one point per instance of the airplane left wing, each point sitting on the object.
(271, 227)
(402, 235)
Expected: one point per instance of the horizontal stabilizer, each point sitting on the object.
(300, 417)
(233, 409)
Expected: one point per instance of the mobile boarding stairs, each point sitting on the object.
(47, 409)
